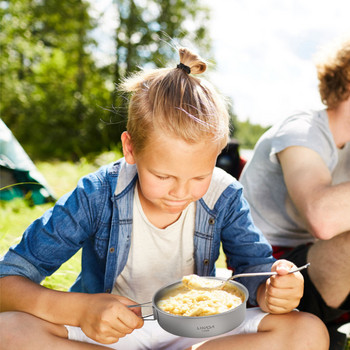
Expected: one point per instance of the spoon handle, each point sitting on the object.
(265, 273)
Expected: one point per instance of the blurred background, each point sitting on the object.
(61, 62)
(59, 95)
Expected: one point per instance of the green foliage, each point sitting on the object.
(148, 31)
(54, 97)
(51, 88)
(248, 134)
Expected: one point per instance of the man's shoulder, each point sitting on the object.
(307, 129)
(302, 122)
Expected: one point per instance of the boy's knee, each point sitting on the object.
(18, 329)
(313, 333)
(302, 330)
(11, 331)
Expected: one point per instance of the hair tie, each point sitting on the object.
(185, 68)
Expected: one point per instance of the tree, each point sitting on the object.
(50, 84)
(54, 96)
(248, 134)
(147, 34)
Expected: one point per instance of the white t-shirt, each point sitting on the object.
(165, 254)
(264, 188)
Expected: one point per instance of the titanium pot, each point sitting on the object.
(199, 326)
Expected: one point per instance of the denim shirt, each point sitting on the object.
(97, 217)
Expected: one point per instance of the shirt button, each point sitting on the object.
(205, 261)
(111, 250)
(211, 221)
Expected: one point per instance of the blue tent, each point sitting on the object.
(19, 176)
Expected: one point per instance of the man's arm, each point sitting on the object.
(324, 207)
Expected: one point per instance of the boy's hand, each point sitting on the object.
(283, 291)
(106, 318)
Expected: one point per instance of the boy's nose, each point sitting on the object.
(179, 191)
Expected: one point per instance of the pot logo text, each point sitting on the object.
(205, 328)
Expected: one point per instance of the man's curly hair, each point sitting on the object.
(333, 71)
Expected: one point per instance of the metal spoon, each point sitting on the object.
(266, 273)
(250, 274)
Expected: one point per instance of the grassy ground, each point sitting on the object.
(16, 215)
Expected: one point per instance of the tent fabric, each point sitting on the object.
(19, 176)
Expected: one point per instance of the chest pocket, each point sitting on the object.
(101, 240)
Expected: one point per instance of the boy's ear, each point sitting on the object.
(128, 150)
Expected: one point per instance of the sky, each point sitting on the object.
(265, 51)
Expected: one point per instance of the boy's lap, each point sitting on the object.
(22, 327)
(152, 336)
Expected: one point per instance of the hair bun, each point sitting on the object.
(196, 64)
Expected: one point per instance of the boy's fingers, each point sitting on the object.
(282, 266)
(290, 282)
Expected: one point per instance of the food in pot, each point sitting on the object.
(184, 301)
(197, 282)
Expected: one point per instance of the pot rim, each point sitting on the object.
(169, 286)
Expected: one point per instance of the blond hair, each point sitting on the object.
(333, 71)
(175, 102)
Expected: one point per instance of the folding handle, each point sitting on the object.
(145, 318)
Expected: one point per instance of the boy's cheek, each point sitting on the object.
(201, 190)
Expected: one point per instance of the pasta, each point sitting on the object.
(198, 301)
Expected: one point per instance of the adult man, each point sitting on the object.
(298, 186)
